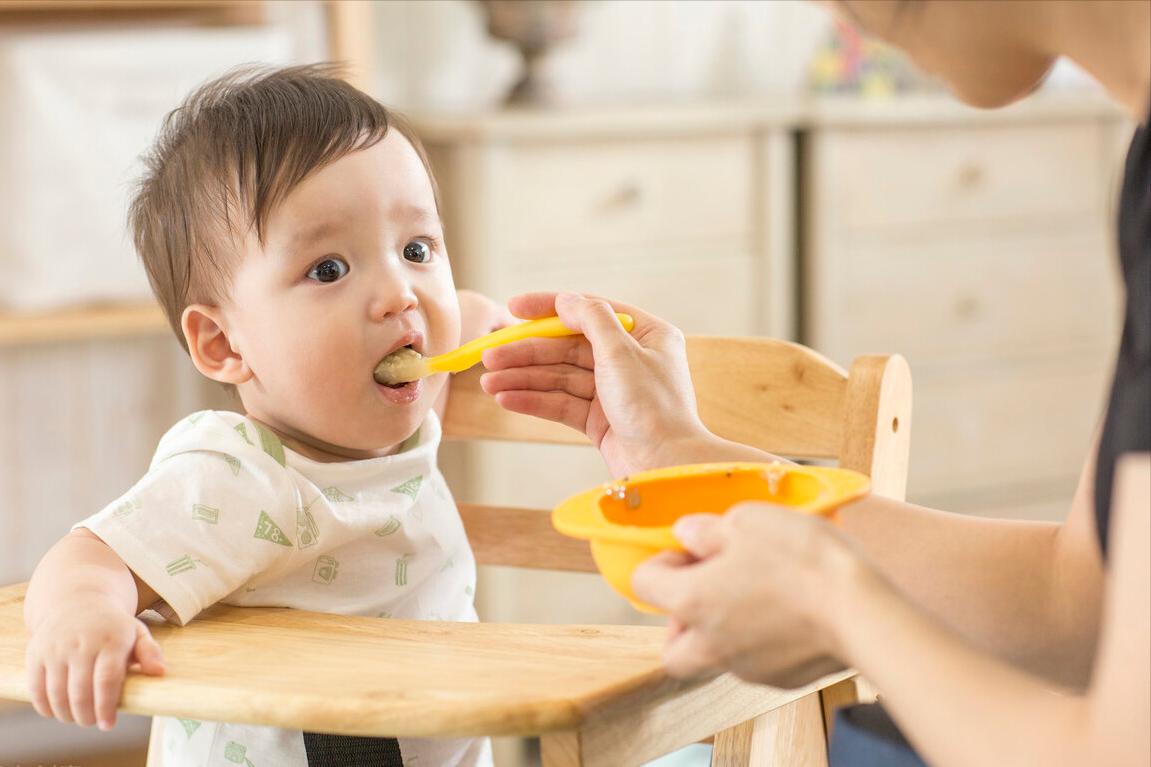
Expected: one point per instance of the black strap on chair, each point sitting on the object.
(351, 751)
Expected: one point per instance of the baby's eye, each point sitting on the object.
(328, 270)
(418, 252)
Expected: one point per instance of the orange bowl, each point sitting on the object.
(629, 521)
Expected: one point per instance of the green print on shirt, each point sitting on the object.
(270, 531)
(335, 495)
(391, 526)
(411, 488)
(237, 754)
(402, 571)
(193, 420)
(126, 508)
(327, 568)
(205, 513)
(233, 463)
(271, 444)
(190, 725)
(182, 565)
(307, 532)
(242, 430)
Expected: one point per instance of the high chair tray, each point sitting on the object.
(369, 676)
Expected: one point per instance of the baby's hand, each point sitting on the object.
(479, 315)
(77, 659)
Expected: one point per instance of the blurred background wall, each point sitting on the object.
(739, 167)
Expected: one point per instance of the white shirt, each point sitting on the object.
(227, 513)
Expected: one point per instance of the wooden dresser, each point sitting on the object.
(981, 246)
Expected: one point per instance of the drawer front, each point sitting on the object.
(708, 295)
(553, 197)
(974, 299)
(918, 178)
(1025, 424)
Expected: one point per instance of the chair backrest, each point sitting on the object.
(775, 395)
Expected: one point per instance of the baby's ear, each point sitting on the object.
(212, 353)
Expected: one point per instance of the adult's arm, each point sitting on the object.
(1008, 716)
(1029, 592)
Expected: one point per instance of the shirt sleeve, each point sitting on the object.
(200, 524)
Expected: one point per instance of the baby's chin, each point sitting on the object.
(359, 438)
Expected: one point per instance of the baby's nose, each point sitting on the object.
(393, 295)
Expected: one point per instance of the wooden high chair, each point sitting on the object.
(596, 695)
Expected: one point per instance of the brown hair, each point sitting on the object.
(227, 156)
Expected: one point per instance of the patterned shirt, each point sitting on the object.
(227, 513)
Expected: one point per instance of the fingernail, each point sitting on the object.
(685, 529)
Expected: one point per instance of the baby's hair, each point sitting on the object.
(227, 156)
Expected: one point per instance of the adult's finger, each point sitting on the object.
(107, 683)
(703, 535)
(689, 654)
(544, 378)
(552, 406)
(566, 350)
(595, 318)
(649, 331)
(660, 581)
(533, 306)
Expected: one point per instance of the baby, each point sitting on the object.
(289, 226)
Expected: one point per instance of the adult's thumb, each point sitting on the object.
(596, 319)
(701, 534)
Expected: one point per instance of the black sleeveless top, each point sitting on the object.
(1127, 426)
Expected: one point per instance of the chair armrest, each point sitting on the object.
(522, 538)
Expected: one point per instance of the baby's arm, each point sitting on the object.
(479, 315)
(80, 613)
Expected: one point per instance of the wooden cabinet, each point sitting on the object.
(980, 246)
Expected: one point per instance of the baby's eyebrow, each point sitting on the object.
(415, 213)
(311, 234)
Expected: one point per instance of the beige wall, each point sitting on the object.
(437, 54)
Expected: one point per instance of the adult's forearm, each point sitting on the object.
(1003, 585)
(956, 705)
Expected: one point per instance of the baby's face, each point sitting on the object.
(353, 267)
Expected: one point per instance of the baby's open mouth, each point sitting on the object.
(395, 370)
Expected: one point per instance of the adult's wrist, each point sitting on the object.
(688, 445)
(854, 594)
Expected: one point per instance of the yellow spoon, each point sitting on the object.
(406, 364)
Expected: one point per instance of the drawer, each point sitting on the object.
(1004, 426)
(621, 193)
(917, 177)
(975, 298)
(675, 285)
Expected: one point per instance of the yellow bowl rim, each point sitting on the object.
(579, 516)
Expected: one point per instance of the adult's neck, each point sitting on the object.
(1111, 40)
